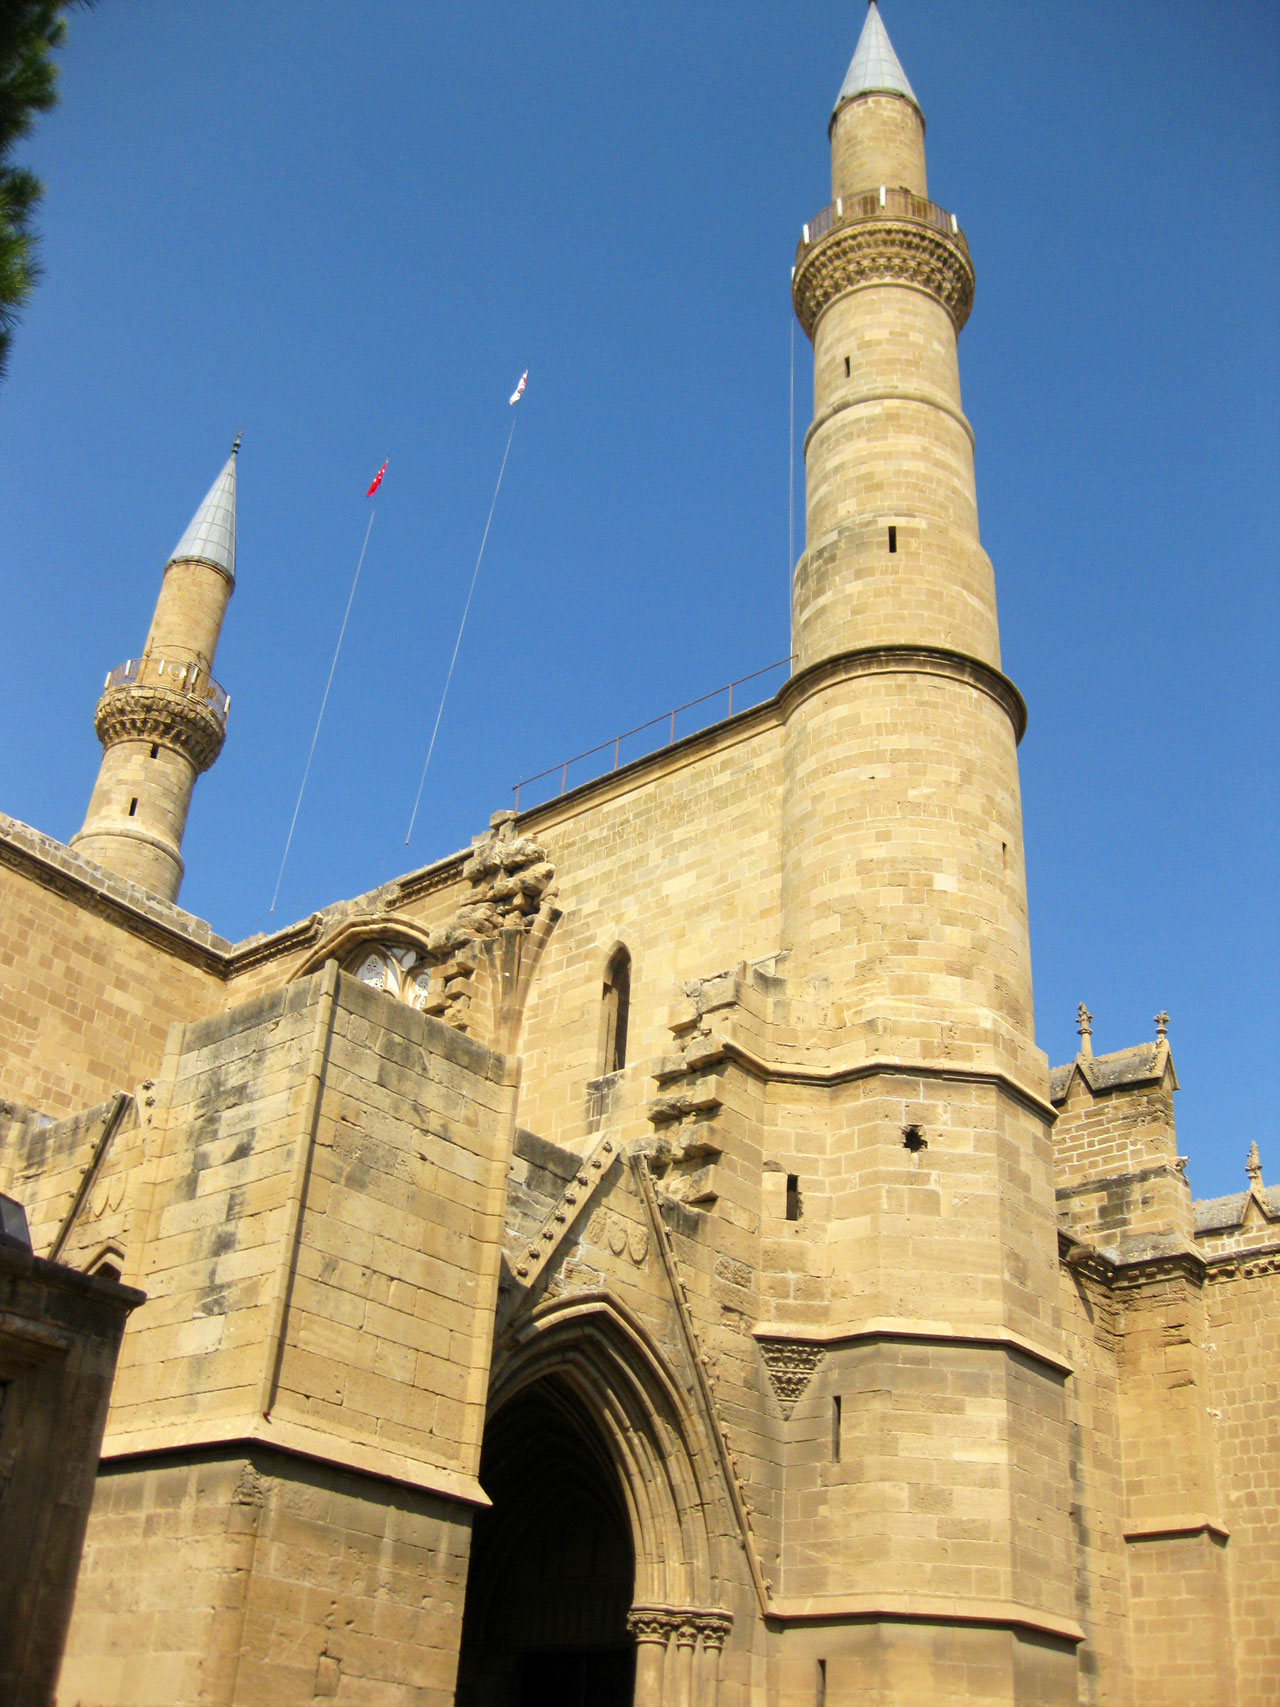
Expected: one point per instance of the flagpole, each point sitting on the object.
(324, 701)
(417, 800)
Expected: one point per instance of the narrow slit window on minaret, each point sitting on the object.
(893, 539)
(835, 1428)
(133, 806)
(848, 371)
(821, 1694)
(793, 1197)
(155, 751)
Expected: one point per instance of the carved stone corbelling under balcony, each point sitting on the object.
(883, 251)
(177, 720)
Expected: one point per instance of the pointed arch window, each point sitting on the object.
(617, 1011)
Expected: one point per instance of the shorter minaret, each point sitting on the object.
(162, 717)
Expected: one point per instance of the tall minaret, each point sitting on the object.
(904, 918)
(162, 717)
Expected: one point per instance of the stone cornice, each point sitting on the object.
(1182, 1524)
(1119, 1274)
(857, 399)
(921, 660)
(774, 1072)
(925, 1609)
(61, 870)
(883, 251)
(245, 1432)
(828, 1334)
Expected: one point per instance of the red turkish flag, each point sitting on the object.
(377, 480)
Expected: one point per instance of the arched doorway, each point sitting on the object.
(552, 1570)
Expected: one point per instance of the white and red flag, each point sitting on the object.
(518, 393)
(377, 480)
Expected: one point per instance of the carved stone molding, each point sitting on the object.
(790, 1364)
(159, 714)
(883, 251)
(714, 1628)
(652, 1623)
(687, 1625)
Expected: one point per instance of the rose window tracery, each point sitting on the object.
(397, 970)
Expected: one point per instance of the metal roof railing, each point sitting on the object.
(176, 677)
(883, 203)
(667, 717)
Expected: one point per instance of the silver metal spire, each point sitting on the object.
(211, 535)
(874, 65)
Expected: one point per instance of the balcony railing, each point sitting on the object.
(883, 203)
(176, 677)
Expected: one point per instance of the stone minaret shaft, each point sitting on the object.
(931, 1222)
(903, 869)
(162, 717)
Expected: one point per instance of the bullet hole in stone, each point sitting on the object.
(913, 1139)
(133, 806)
(893, 539)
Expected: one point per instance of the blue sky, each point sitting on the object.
(345, 231)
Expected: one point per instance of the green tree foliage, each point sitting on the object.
(29, 31)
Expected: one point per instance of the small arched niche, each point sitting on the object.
(615, 1011)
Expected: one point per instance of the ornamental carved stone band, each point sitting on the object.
(176, 720)
(790, 1364)
(661, 1623)
(883, 251)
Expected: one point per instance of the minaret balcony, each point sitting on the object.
(164, 700)
(882, 236)
(168, 673)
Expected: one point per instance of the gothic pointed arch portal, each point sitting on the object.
(595, 1575)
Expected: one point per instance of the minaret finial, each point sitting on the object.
(235, 449)
(1084, 1025)
(1162, 1027)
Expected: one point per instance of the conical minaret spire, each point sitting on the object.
(874, 68)
(162, 717)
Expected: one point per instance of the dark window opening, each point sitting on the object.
(617, 1011)
(155, 751)
(835, 1429)
(793, 1197)
(848, 371)
(133, 806)
(893, 539)
(913, 1139)
(821, 1696)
